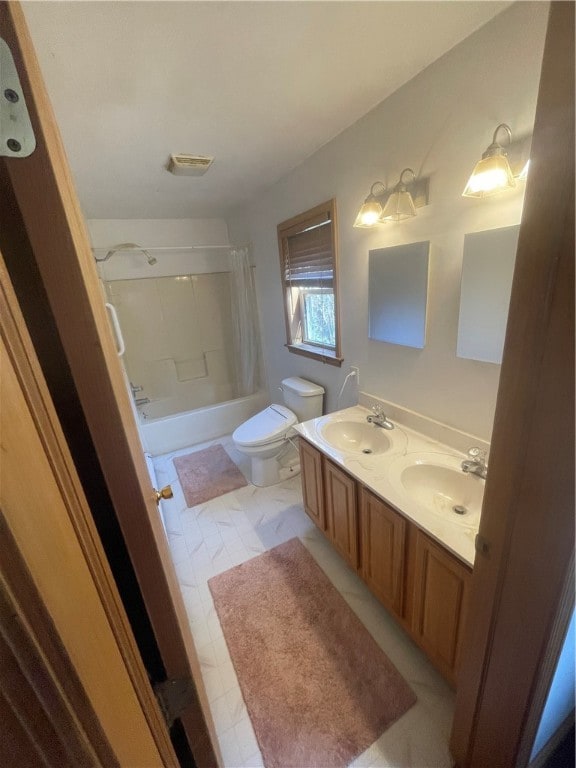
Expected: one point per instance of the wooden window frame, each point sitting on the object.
(294, 226)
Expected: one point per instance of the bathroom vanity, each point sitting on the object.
(358, 488)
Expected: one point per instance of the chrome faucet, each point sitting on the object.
(476, 464)
(378, 418)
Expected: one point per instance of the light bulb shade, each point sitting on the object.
(491, 175)
(369, 214)
(399, 206)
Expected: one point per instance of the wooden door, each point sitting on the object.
(83, 696)
(46, 718)
(523, 584)
(51, 224)
(38, 723)
(341, 512)
(441, 587)
(312, 483)
(383, 550)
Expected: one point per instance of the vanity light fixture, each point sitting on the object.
(400, 204)
(383, 205)
(492, 173)
(369, 213)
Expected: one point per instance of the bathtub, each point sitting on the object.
(170, 433)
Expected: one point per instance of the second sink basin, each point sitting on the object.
(355, 437)
(440, 485)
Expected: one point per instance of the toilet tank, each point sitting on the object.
(302, 397)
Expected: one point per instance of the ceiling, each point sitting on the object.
(259, 85)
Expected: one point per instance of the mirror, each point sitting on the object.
(397, 294)
(487, 269)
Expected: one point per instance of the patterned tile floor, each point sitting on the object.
(224, 532)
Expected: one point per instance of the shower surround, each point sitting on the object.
(179, 344)
(186, 346)
(183, 356)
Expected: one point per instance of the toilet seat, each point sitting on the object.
(271, 424)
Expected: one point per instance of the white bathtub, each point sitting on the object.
(170, 433)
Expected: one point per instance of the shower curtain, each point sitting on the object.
(244, 322)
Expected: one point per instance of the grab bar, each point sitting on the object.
(117, 330)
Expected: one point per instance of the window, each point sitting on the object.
(307, 245)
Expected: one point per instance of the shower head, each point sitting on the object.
(128, 247)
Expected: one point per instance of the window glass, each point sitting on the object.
(319, 326)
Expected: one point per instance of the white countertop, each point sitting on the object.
(380, 472)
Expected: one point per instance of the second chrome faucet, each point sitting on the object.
(378, 418)
(476, 464)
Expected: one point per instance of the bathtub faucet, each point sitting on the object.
(135, 388)
(141, 400)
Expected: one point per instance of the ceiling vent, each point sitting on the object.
(189, 165)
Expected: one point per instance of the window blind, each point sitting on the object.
(308, 258)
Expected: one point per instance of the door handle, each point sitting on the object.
(163, 493)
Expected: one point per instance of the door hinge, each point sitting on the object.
(174, 696)
(16, 133)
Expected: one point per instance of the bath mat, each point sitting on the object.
(206, 474)
(318, 689)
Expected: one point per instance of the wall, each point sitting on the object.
(439, 123)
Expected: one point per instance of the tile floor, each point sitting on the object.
(224, 532)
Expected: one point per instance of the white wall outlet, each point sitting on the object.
(356, 371)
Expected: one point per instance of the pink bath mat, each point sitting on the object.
(318, 688)
(206, 474)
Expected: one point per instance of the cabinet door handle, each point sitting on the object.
(481, 546)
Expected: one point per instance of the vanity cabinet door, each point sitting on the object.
(383, 545)
(441, 594)
(312, 483)
(341, 512)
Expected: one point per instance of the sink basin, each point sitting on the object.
(442, 488)
(355, 437)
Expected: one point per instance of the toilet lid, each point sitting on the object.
(270, 424)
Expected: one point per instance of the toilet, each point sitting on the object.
(265, 436)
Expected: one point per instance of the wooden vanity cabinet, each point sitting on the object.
(440, 599)
(341, 512)
(422, 584)
(383, 550)
(312, 483)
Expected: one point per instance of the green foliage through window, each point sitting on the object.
(319, 323)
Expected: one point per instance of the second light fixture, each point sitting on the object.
(492, 174)
(381, 206)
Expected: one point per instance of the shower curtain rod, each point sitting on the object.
(171, 248)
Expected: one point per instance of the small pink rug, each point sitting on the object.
(318, 688)
(206, 474)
